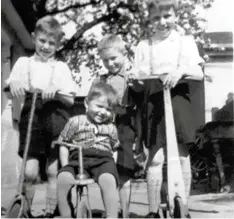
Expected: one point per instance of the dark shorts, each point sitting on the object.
(96, 163)
(125, 171)
(183, 118)
(127, 136)
(49, 120)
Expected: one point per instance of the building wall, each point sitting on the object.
(11, 50)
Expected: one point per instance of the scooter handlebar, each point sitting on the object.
(7, 90)
(159, 76)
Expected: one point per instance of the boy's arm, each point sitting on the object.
(63, 155)
(190, 64)
(115, 142)
(114, 138)
(17, 80)
(19, 71)
(66, 135)
(67, 85)
(141, 62)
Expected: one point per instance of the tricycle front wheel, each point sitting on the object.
(83, 210)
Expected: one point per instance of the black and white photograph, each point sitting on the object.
(117, 109)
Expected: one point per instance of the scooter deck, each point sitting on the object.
(175, 180)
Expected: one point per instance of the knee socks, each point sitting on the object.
(154, 183)
(187, 177)
(125, 195)
(51, 199)
(29, 189)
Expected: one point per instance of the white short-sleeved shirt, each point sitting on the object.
(42, 74)
(176, 50)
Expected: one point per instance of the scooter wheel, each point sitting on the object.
(180, 210)
(15, 211)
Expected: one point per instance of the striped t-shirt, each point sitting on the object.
(101, 136)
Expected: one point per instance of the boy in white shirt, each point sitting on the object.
(166, 51)
(42, 71)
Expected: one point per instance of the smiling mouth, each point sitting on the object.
(100, 117)
(45, 52)
(112, 68)
(163, 28)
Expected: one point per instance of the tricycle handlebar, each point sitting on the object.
(58, 143)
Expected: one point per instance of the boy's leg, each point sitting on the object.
(31, 173)
(65, 184)
(124, 193)
(154, 181)
(187, 175)
(51, 195)
(125, 161)
(186, 167)
(109, 192)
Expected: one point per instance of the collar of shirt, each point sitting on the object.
(174, 35)
(36, 57)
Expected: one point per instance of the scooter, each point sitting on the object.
(18, 207)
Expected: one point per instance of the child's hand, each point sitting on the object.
(17, 89)
(115, 156)
(116, 145)
(49, 93)
(133, 81)
(170, 79)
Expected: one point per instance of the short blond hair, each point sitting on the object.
(102, 89)
(161, 5)
(50, 26)
(112, 41)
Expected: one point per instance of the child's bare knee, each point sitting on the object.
(31, 170)
(52, 172)
(158, 158)
(107, 180)
(65, 178)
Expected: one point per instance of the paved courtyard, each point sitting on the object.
(201, 205)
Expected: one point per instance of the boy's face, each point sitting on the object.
(113, 60)
(45, 45)
(98, 110)
(163, 20)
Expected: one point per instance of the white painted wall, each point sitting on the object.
(216, 92)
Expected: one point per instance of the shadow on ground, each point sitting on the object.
(204, 211)
(225, 198)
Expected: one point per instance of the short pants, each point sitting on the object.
(95, 162)
(48, 121)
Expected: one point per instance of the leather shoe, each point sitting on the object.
(153, 215)
(49, 215)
